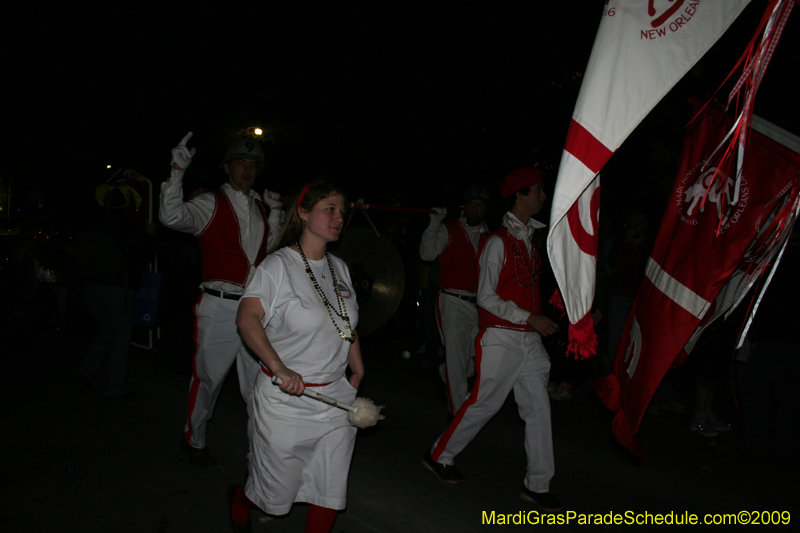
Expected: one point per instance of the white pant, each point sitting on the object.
(458, 325)
(507, 360)
(218, 344)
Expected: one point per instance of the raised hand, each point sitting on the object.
(272, 199)
(441, 212)
(181, 155)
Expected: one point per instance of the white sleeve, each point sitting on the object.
(434, 240)
(188, 217)
(274, 221)
(491, 263)
(265, 286)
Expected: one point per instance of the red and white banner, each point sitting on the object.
(708, 252)
(642, 48)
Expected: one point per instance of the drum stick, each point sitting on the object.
(319, 396)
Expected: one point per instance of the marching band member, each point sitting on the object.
(298, 315)
(234, 233)
(509, 354)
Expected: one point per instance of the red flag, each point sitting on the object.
(705, 242)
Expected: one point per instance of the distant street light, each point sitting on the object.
(254, 132)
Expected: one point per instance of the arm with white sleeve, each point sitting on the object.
(491, 262)
(173, 212)
(273, 200)
(435, 237)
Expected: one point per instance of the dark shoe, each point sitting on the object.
(236, 527)
(127, 396)
(448, 474)
(545, 501)
(198, 456)
(715, 423)
(699, 424)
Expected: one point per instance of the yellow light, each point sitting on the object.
(108, 166)
(258, 131)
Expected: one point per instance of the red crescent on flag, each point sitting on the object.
(586, 242)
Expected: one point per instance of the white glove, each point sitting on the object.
(272, 199)
(441, 212)
(181, 157)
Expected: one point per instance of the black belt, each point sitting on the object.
(470, 299)
(220, 294)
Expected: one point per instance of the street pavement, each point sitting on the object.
(73, 461)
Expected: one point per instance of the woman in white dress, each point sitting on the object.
(298, 315)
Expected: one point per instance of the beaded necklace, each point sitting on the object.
(342, 311)
(518, 256)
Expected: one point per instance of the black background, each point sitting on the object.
(399, 103)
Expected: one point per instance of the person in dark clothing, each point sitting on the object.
(770, 396)
(110, 256)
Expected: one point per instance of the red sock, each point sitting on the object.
(241, 506)
(320, 519)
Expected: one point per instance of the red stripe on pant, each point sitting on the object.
(187, 436)
(446, 373)
(473, 397)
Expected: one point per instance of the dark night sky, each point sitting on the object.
(384, 97)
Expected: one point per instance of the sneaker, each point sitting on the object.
(674, 407)
(714, 423)
(546, 501)
(653, 409)
(666, 407)
(198, 456)
(562, 392)
(448, 474)
(699, 425)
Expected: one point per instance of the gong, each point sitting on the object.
(376, 270)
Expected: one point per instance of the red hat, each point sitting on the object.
(519, 179)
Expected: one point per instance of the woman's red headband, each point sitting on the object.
(302, 195)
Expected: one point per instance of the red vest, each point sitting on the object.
(224, 258)
(458, 263)
(517, 271)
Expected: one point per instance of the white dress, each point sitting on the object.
(301, 447)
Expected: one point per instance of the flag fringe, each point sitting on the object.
(582, 338)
